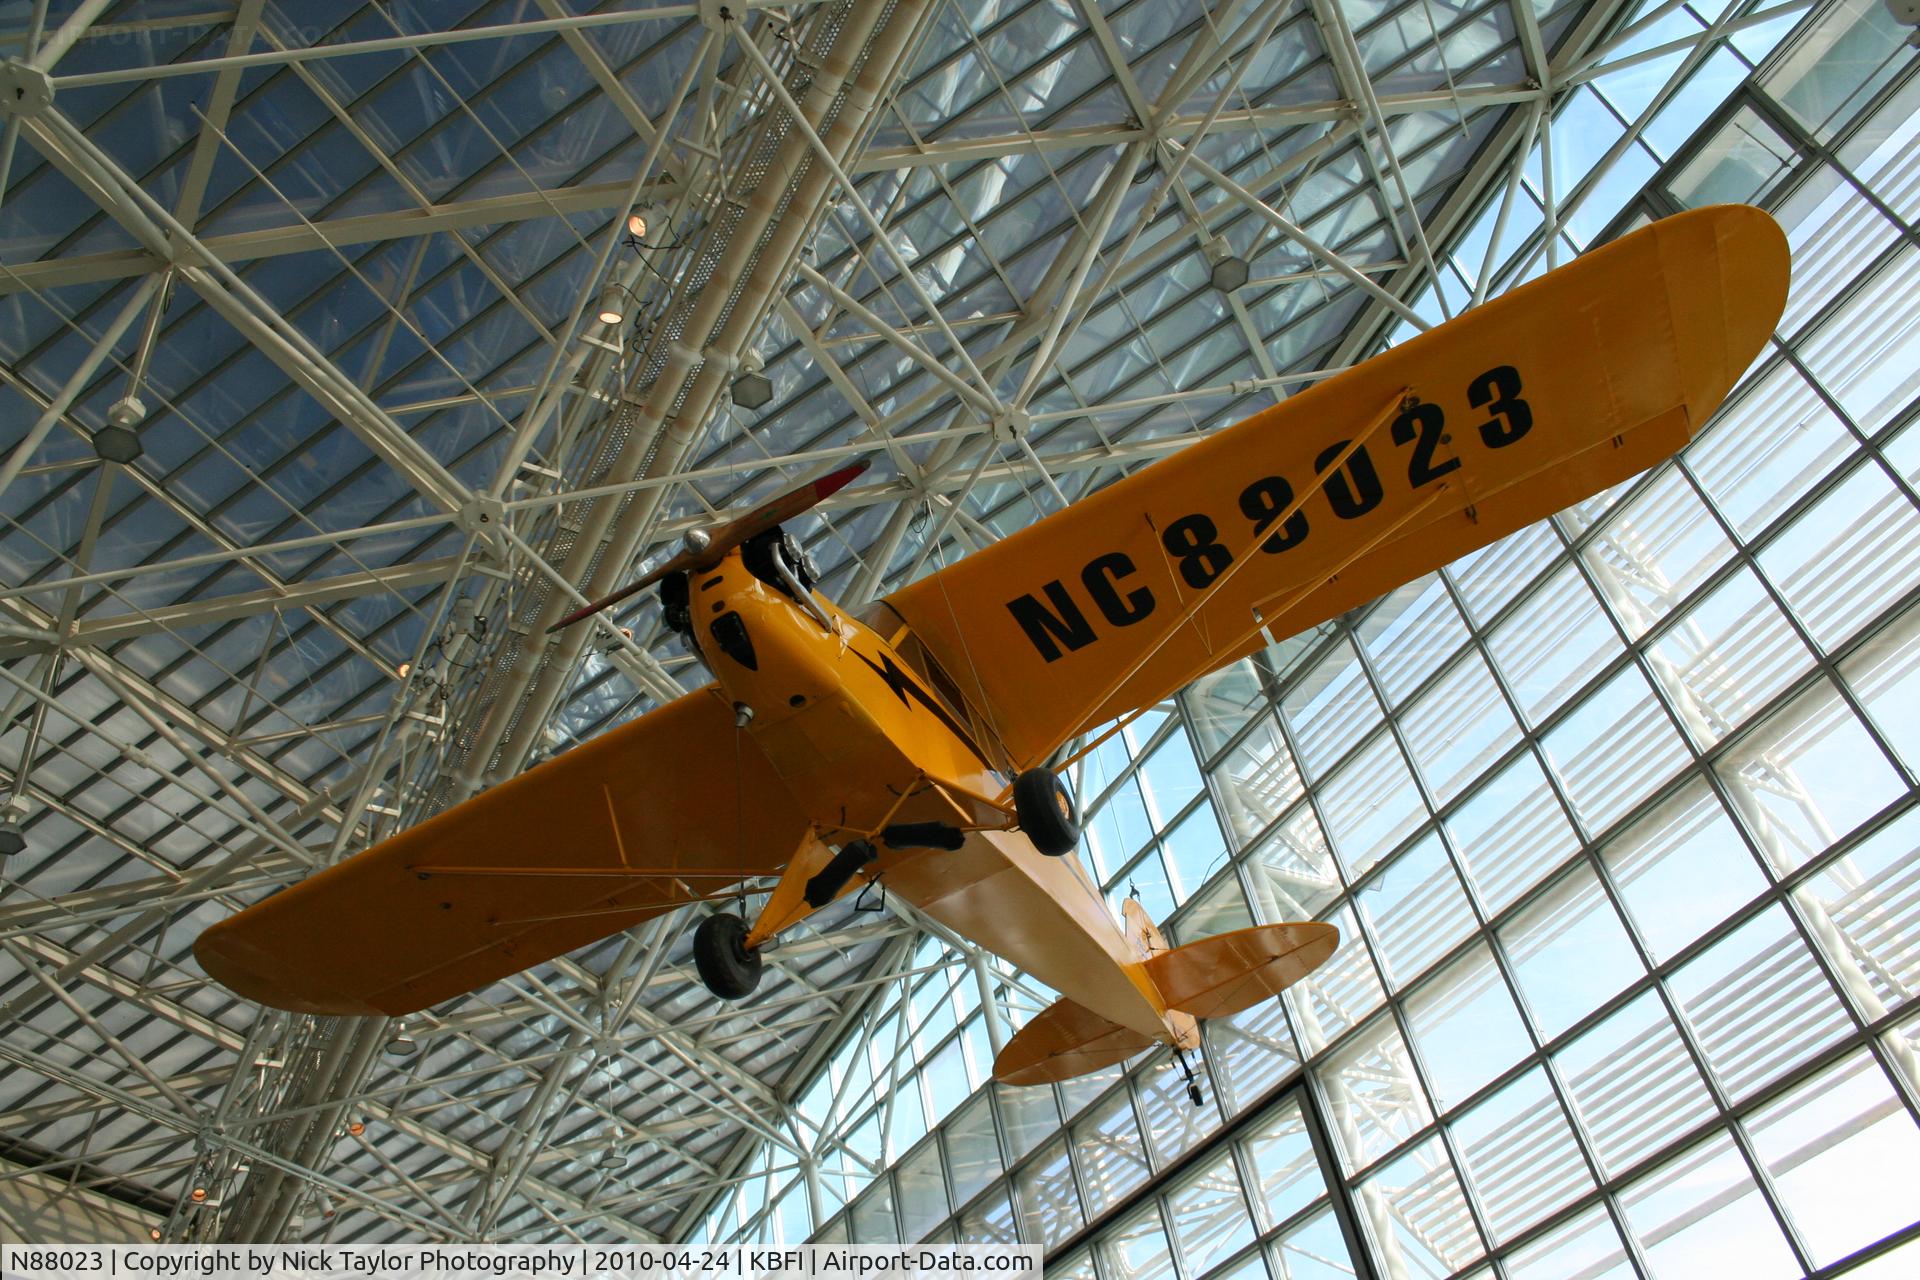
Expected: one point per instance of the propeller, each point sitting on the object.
(704, 549)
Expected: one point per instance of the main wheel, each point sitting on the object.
(1046, 812)
(727, 965)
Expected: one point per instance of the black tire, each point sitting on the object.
(727, 965)
(1047, 812)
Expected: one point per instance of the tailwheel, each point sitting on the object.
(729, 968)
(1194, 1094)
(1046, 812)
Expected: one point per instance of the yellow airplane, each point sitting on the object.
(910, 746)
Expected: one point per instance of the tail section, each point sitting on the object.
(1219, 976)
(1063, 1042)
(1212, 978)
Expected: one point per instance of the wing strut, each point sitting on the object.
(1200, 599)
(1259, 626)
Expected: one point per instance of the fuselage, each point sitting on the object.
(845, 721)
(864, 739)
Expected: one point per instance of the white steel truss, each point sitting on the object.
(317, 432)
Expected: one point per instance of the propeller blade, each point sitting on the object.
(767, 515)
(781, 509)
(588, 610)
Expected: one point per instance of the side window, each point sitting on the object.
(947, 689)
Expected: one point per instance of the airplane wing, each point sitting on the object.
(642, 819)
(1454, 439)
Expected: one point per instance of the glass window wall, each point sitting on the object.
(1617, 819)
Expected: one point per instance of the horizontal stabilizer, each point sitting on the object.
(1219, 976)
(1063, 1042)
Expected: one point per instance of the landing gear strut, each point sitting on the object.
(729, 968)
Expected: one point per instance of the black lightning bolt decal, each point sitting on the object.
(909, 691)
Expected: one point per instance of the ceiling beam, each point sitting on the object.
(333, 233)
(422, 40)
(1119, 133)
(98, 633)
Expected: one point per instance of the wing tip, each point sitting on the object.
(1729, 268)
(1756, 264)
(230, 959)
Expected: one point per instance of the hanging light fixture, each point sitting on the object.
(611, 1157)
(751, 388)
(613, 306)
(1227, 271)
(643, 219)
(400, 1044)
(13, 818)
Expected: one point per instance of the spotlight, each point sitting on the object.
(153, 1234)
(404, 670)
(199, 1195)
(400, 1044)
(12, 839)
(644, 218)
(613, 308)
(357, 1128)
(612, 1159)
